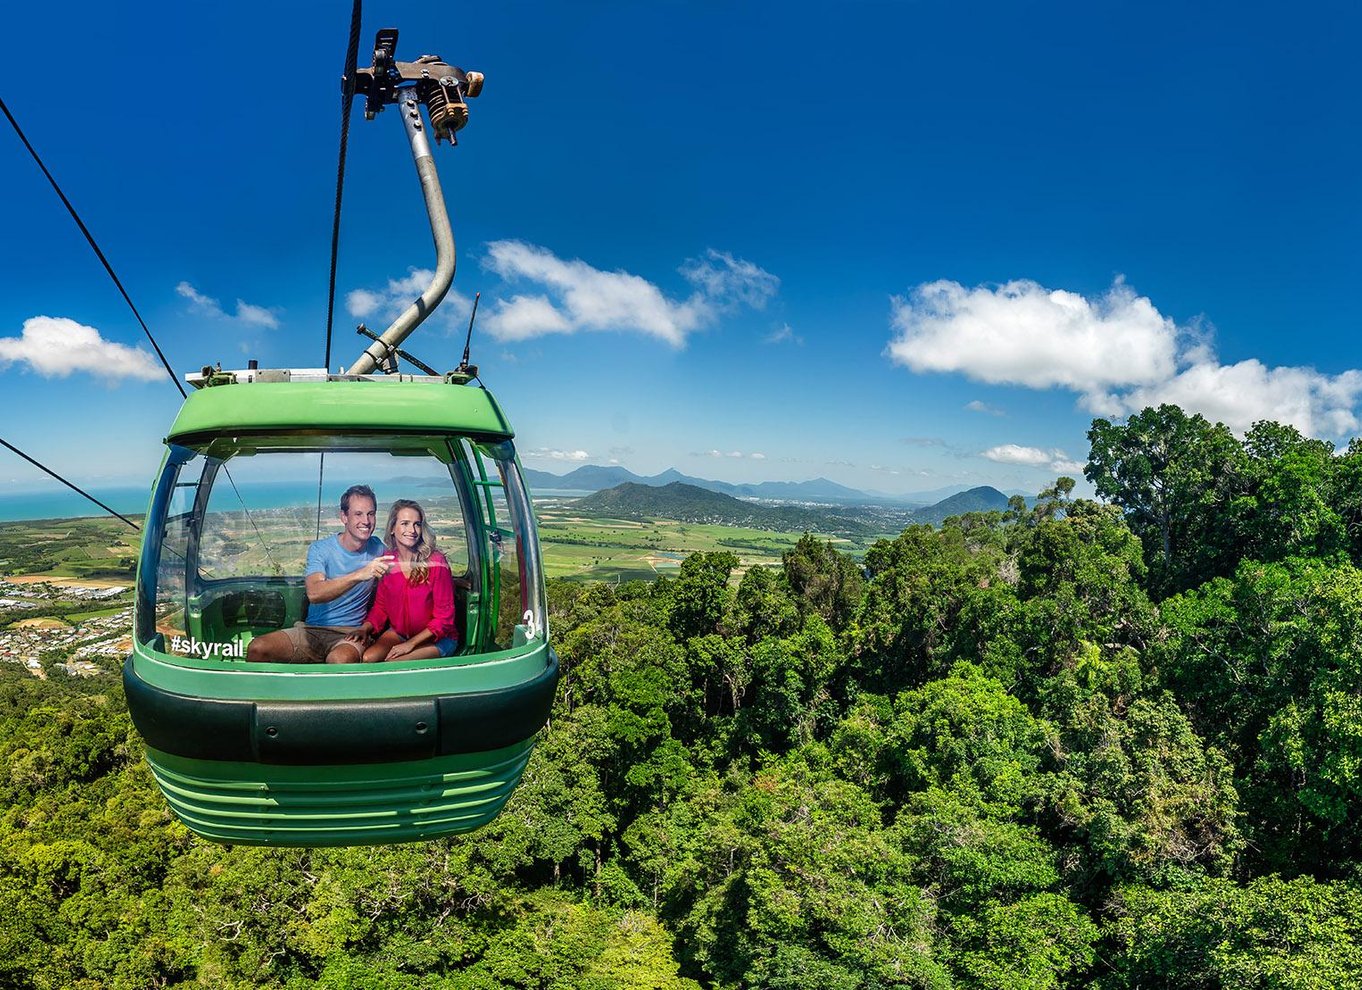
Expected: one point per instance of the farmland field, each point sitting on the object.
(99, 548)
(605, 549)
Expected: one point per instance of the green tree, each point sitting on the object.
(1272, 934)
(823, 580)
(1174, 475)
(794, 868)
(1269, 663)
(764, 606)
(700, 596)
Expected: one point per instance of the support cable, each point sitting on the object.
(347, 100)
(98, 253)
(321, 469)
(68, 484)
(126, 298)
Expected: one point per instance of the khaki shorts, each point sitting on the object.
(311, 644)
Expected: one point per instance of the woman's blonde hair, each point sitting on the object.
(421, 568)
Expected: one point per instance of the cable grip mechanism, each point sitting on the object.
(444, 89)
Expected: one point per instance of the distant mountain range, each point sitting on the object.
(692, 504)
(594, 478)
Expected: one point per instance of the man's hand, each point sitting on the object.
(376, 568)
(323, 589)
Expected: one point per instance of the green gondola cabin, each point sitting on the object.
(327, 754)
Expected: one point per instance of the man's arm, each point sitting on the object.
(321, 588)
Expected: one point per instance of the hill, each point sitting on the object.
(985, 498)
(690, 503)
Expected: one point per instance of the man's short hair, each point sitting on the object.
(354, 490)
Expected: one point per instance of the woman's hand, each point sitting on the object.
(360, 636)
(400, 650)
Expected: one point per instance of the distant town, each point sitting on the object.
(82, 629)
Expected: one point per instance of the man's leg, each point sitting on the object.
(343, 652)
(275, 647)
(293, 645)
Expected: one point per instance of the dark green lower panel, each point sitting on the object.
(260, 804)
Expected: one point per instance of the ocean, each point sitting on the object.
(132, 501)
(66, 504)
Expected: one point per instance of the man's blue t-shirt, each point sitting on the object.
(331, 560)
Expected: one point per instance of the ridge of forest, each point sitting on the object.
(1073, 744)
(687, 503)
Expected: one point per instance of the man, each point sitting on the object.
(341, 571)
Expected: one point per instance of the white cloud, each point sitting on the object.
(388, 303)
(559, 455)
(256, 316)
(247, 313)
(1011, 453)
(199, 299)
(782, 335)
(571, 296)
(55, 347)
(1021, 333)
(1117, 351)
(577, 297)
(729, 281)
(1241, 394)
(1054, 459)
(730, 454)
(983, 407)
(523, 317)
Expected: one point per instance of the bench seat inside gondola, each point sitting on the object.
(238, 611)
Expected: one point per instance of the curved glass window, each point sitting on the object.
(226, 552)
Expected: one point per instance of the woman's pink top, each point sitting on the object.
(409, 608)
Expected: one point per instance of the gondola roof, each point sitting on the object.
(379, 404)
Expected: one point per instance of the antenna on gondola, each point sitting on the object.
(466, 370)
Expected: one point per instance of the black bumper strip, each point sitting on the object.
(316, 733)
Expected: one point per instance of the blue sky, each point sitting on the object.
(901, 245)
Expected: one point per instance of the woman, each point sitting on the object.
(413, 610)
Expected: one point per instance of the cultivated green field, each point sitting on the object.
(99, 548)
(602, 549)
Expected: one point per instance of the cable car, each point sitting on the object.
(251, 750)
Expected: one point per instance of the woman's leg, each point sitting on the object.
(378, 649)
(422, 653)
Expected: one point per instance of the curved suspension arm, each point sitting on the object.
(441, 232)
